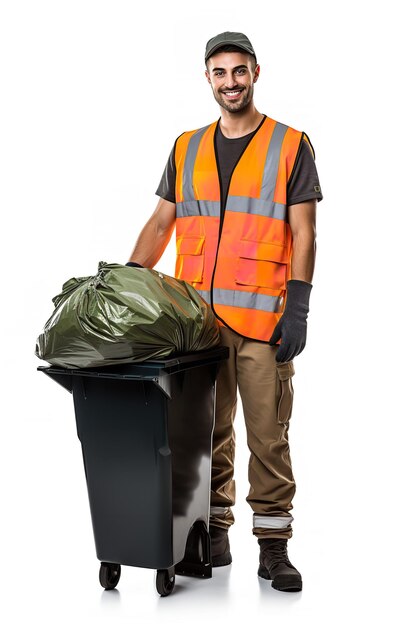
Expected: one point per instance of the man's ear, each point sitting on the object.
(256, 74)
(207, 76)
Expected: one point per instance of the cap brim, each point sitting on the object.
(225, 43)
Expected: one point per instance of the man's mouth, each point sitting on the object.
(232, 95)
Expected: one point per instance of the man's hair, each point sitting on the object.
(232, 48)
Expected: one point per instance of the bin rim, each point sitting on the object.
(146, 369)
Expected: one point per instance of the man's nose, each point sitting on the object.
(230, 81)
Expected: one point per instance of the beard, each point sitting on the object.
(234, 107)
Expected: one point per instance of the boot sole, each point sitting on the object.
(281, 583)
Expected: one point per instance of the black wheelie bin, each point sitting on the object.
(146, 436)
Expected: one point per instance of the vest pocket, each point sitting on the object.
(190, 259)
(285, 391)
(262, 264)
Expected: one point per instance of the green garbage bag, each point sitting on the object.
(125, 315)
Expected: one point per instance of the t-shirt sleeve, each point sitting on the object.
(166, 188)
(304, 181)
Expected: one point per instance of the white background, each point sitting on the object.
(93, 95)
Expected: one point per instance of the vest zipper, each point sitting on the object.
(222, 213)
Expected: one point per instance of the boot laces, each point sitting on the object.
(277, 552)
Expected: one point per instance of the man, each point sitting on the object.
(242, 194)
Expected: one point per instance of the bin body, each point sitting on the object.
(146, 437)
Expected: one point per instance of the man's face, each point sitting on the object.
(232, 78)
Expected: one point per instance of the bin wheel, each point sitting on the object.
(109, 575)
(165, 581)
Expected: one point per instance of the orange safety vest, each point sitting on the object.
(240, 267)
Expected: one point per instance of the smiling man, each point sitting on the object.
(242, 194)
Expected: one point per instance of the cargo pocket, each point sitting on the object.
(262, 264)
(190, 259)
(285, 391)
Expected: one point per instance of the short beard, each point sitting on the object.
(238, 106)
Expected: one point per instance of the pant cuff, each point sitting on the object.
(272, 526)
(221, 516)
(266, 533)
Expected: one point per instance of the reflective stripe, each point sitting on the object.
(187, 178)
(204, 294)
(247, 299)
(256, 206)
(266, 521)
(189, 208)
(237, 204)
(270, 174)
(219, 510)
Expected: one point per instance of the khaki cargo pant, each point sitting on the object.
(266, 391)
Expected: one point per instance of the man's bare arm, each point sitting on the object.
(302, 220)
(291, 328)
(155, 235)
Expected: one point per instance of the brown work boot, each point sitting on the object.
(275, 565)
(220, 548)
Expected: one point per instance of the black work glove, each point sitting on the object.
(292, 326)
(133, 264)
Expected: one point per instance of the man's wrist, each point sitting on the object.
(301, 283)
(298, 292)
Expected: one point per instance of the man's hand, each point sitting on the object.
(292, 327)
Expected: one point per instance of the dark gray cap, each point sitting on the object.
(228, 38)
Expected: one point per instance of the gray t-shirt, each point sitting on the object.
(303, 184)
